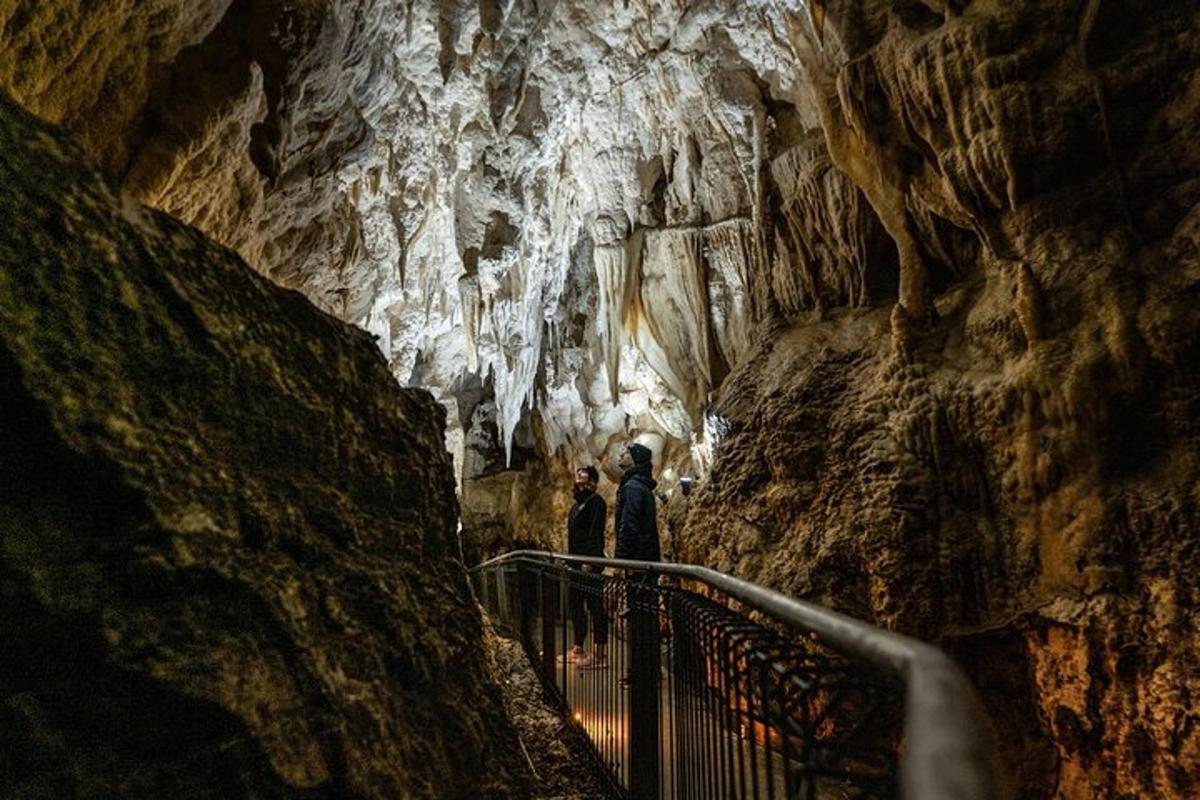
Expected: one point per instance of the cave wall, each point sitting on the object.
(1006, 461)
(227, 536)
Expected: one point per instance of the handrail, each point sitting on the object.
(950, 752)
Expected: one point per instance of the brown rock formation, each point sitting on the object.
(1019, 476)
(227, 551)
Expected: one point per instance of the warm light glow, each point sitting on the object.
(603, 728)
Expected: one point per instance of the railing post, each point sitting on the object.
(643, 688)
(681, 641)
(549, 623)
(526, 605)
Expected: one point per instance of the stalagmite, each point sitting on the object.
(610, 274)
(469, 297)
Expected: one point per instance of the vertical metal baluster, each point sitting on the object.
(752, 745)
(785, 737)
(614, 683)
(600, 683)
(547, 649)
(697, 703)
(712, 683)
(601, 694)
(686, 768)
(614, 687)
(700, 762)
(712, 780)
(622, 719)
(728, 787)
(695, 749)
(768, 715)
(730, 720)
(737, 673)
(664, 723)
(678, 651)
(560, 635)
(539, 627)
(683, 742)
(706, 706)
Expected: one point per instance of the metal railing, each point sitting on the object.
(697, 700)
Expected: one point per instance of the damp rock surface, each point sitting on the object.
(227, 537)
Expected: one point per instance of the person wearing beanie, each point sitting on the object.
(637, 540)
(637, 522)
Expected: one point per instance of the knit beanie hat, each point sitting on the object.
(639, 453)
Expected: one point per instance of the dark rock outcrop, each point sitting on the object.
(228, 562)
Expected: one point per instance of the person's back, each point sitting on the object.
(637, 540)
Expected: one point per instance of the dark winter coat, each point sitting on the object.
(585, 526)
(637, 523)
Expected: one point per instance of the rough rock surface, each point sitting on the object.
(227, 552)
(689, 221)
(557, 752)
(1008, 460)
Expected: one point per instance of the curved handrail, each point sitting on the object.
(950, 752)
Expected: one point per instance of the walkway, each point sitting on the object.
(799, 702)
(601, 707)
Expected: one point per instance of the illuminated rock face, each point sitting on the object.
(478, 183)
(227, 537)
(911, 284)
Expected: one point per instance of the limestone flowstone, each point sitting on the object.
(228, 559)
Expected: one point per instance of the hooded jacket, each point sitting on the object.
(585, 526)
(637, 523)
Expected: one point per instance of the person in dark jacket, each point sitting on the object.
(637, 540)
(585, 537)
(637, 521)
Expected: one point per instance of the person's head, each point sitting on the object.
(586, 479)
(635, 454)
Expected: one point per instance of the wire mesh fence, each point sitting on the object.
(684, 696)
